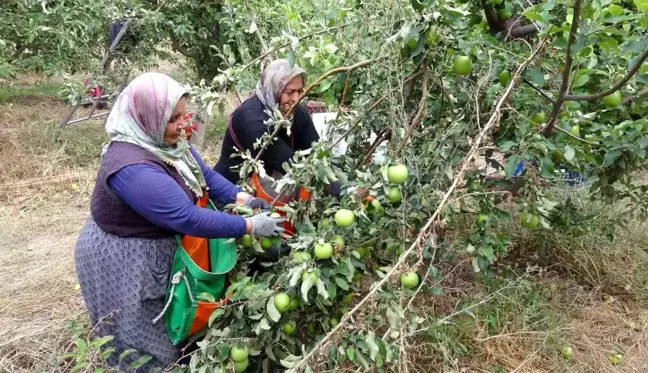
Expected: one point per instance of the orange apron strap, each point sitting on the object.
(198, 247)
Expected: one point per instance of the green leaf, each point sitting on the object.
(615, 10)
(216, 314)
(261, 326)
(487, 252)
(102, 341)
(305, 287)
(635, 46)
(580, 80)
(107, 352)
(141, 361)
(80, 365)
(273, 313)
(569, 153)
(537, 76)
(81, 345)
(321, 289)
(341, 283)
(350, 351)
(291, 58)
(99, 370)
(373, 347)
(206, 297)
(642, 5)
(534, 16)
(124, 354)
(547, 168)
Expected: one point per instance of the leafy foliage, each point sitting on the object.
(410, 50)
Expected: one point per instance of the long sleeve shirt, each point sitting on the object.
(157, 197)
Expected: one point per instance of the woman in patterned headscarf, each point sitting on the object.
(145, 195)
(279, 87)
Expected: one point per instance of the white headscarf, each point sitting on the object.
(274, 79)
(141, 115)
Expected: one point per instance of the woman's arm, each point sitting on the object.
(158, 198)
(220, 189)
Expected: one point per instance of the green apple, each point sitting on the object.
(538, 118)
(529, 221)
(431, 36)
(362, 251)
(482, 218)
(575, 130)
(294, 303)
(312, 275)
(566, 352)
(462, 65)
(615, 358)
(504, 77)
(241, 366)
(246, 241)
(344, 218)
(281, 301)
(267, 242)
(411, 43)
(397, 174)
(394, 195)
(239, 353)
(409, 279)
(301, 256)
(613, 100)
(289, 327)
(504, 14)
(323, 251)
(338, 242)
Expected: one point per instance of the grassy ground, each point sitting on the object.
(587, 294)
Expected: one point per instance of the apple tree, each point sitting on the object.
(459, 121)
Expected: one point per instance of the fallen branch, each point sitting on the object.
(419, 239)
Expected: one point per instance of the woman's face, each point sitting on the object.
(176, 123)
(290, 94)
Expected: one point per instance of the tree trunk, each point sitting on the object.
(198, 138)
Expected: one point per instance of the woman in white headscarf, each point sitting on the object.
(280, 86)
(145, 194)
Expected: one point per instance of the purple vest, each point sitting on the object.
(110, 212)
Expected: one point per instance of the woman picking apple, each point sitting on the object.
(145, 194)
(280, 86)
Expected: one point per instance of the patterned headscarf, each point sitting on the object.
(274, 79)
(141, 115)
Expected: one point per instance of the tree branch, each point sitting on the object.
(544, 95)
(420, 113)
(642, 94)
(548, 130)
(177, 45)
(346, 87)
(615, 87)
(382, 136)
(347, 69)
(264, 46)
(266, 54)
